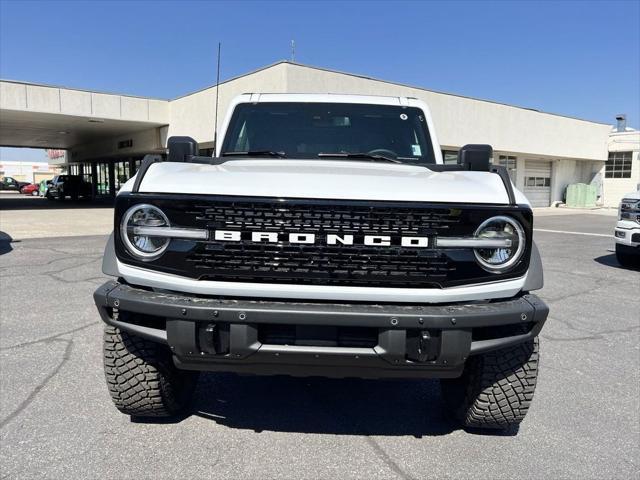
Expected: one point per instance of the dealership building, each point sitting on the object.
(106, 135)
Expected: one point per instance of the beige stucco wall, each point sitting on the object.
(614, 189)
(146, 141)
(194, 114)
(461, 120)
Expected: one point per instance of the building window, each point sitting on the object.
(537, 182)
(618, 165)
(121, 173)
(449, 157)
(85, 171)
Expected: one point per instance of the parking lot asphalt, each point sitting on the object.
(57, 421)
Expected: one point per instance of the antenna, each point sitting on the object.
(215, 126)
(293, 50)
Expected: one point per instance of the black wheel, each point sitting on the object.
(141, 376)
(626, 259)
(48, 196)
(495, 389)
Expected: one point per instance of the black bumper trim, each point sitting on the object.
(455, 322)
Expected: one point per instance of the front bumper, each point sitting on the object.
(306, 339)
(627, 233)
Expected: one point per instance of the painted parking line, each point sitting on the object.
(573, 233)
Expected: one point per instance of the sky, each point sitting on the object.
(575, 58)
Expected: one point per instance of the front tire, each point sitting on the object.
(495, 389)
(141, 376)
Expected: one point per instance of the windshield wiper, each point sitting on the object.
(363, 156)
(255, 153)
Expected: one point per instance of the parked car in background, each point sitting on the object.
(30, 189)
(627, 233)
(10, 183)
(73, 186)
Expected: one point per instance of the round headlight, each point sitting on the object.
(137, 231)
(508, 237)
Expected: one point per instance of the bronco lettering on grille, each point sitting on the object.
(312, 238)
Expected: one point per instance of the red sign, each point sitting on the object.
(52, 154)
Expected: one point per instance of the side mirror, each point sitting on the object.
(181, 148)
(475, 157)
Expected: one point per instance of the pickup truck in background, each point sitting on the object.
(627, 232)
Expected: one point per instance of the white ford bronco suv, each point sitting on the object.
(324, 237)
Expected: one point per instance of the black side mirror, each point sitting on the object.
(181, 148)
(475, 157)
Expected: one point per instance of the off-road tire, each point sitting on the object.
(495, 389)
(141, 376)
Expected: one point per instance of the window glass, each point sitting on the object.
(121, 172)
(618, 165)
(450, 157)
(537, 182)
(303, 130)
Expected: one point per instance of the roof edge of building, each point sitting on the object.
(86, 90)
(222, 82)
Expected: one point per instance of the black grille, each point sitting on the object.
(320, 263)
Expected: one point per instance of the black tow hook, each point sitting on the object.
(424, 345)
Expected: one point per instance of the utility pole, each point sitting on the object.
(293, 50)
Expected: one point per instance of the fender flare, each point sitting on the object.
(535, 276)
(109, 259)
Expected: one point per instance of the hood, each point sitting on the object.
(326, 179)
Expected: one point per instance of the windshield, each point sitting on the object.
(314, 130)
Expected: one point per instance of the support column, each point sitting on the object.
(112, 179)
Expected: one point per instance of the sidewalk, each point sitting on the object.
(547, 211)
